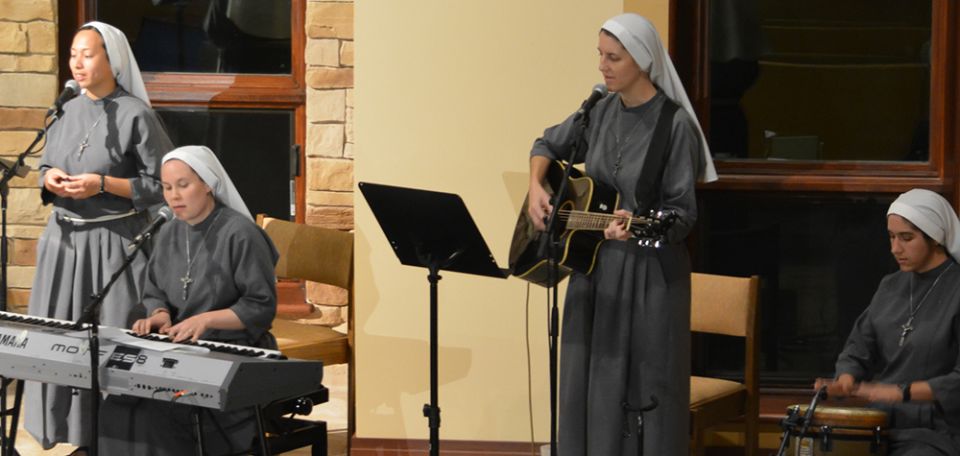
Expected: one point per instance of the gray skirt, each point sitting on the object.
(74, 262)
(144, 427)
(626, 337)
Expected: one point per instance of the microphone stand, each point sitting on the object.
(791, 421)
(8, 174)
(7, 441)
(90, 319)
(550, 244)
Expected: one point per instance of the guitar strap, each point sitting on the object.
(648, 187)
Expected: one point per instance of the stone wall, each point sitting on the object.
(329, 147)
(28, 83)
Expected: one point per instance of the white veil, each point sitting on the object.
(205, 164)
(124, 65)
(641, 40)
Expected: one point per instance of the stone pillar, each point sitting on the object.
(329, 148)
(28, 84)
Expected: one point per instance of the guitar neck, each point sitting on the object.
(594, 221)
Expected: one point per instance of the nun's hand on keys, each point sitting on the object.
(191, 328)
(158, 322)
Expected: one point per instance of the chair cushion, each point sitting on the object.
(303, 341)
(705, 389)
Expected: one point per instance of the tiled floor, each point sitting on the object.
(333, 412)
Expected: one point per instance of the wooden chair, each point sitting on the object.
(319, 255)
(726, 305)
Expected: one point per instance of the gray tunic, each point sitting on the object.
(931, 352)
(125, 139)
(233, 270)
(626, 327)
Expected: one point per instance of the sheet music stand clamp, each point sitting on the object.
(432, 230)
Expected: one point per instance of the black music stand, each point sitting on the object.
(433, 230)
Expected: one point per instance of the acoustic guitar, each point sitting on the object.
(585, 211)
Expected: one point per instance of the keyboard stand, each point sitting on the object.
(8, 437)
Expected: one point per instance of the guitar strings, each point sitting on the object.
(588, 220)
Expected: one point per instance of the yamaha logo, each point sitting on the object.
(13, 341)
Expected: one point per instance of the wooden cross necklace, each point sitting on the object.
(186, 280)
(907, 327)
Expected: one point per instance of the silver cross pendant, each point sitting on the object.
(906, 328)
(186, 280)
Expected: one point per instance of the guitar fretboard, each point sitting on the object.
(583, 220)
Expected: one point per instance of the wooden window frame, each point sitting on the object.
(689, 31)
(218, 90)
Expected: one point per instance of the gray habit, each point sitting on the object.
(125, 139)
(233, 270)
(931, 352)
(626, 327)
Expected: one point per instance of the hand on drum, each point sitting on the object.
(880, 392)
(843, 386)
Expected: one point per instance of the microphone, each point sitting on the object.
(7, 165)
(163, 215)
(599, 91)
(70, 90)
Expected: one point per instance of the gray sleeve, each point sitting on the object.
(253, 258)
(150, 143)
(46, 196)
(153, 296)
(946, 388)
(680, 177)
(557, 141)
(859, 355)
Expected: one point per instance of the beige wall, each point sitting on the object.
(449, 97)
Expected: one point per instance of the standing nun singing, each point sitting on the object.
(626, 327)
(101, 172)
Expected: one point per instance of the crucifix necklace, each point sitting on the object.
(620, 144)
(907, 327)
(84, 144)
(186, 280)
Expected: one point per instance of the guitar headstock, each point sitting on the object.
(654, 232)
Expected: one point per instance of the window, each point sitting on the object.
(228, 74)
(819, 113)
(844, 91)
(253, 145)
(804, 80)
(820, 257)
